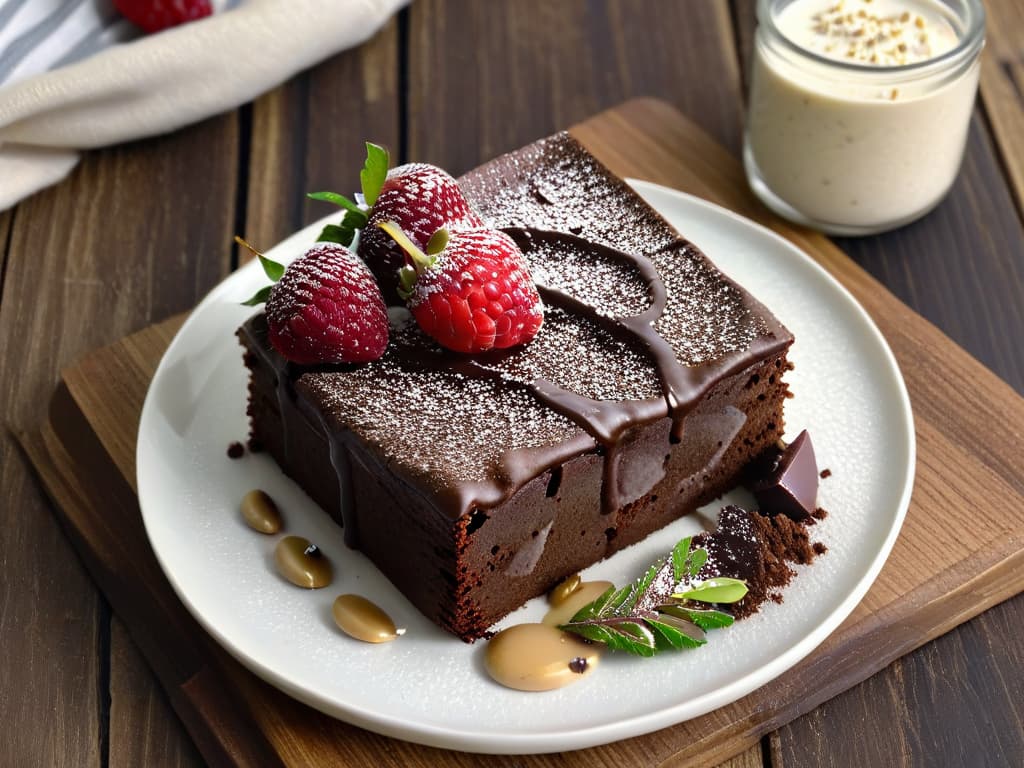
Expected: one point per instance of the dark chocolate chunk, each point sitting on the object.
(791, 486)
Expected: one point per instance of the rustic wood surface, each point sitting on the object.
(141, 231)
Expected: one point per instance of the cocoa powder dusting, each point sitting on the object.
(783, 541)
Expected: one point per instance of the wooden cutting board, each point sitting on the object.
(960, 550)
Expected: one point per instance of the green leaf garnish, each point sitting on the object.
(260, 297)
(345, 232)
(271, 268)
(703, 618)
(660, 611)
(375, 172)
(359, 216)
(717, 590)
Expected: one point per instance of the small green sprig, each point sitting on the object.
(662, 610)
(271, 269)
(371, 180)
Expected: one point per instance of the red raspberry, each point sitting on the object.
(421, 199)
(475, 294)
(155, 15)
(327, 309)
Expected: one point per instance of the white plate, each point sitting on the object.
(429, 687)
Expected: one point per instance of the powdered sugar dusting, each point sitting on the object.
(614, 289)
(575, 354)
(555, 185)
(440, 425)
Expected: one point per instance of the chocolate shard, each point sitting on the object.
(790, 486)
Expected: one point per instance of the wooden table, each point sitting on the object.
(140, 232)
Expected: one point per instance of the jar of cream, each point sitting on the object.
(859, 109)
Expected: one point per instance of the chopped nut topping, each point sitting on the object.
(862, 33)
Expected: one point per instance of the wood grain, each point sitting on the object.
(962, 672)
(1002, 88)
(308, 136)
(6, 220)
(932, 581)
(143, 728)
(485, 78)
(96, 491)
(83, 269)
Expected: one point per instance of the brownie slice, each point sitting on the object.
(476, 483)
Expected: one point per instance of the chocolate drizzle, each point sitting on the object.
(682, 386)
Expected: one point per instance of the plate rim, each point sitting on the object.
(544, 742)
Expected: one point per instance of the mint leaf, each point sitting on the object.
(717, 590)
(675, 637)
(260, 297)
(680, 553)
(698, 558)
(658, 611)
(375, 172)
(705, 619)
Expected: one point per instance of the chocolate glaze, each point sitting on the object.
(601, 424)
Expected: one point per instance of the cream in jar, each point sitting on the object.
(859, 109)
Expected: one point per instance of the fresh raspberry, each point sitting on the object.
(327, 309)
(474, 294)
(421, 199)
(155, 15)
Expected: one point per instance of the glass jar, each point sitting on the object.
(848, 146)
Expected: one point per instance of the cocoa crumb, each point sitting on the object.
(236, 450)
(825, 473)
(819, 514)
(819, 548)
(783, 541)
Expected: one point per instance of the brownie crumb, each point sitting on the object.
(819, 514)
(825, 473)
(782, 541)
(236, 450)
(819, 548)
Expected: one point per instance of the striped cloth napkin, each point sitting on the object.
(75, 75)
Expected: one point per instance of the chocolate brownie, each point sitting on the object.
(476, 483)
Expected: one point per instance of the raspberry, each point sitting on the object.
(421, 199)
(155, 15)
(475, 294)
(327, 309)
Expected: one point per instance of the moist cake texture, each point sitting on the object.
(476, 483)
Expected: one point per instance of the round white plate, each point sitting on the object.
(428, 686)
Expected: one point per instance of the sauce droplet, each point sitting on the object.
(537, 657)
(260, 512)
(359, 618)
(302, 563)
(561, 593)
(587, 592)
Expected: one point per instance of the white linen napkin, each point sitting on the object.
(152, 84)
